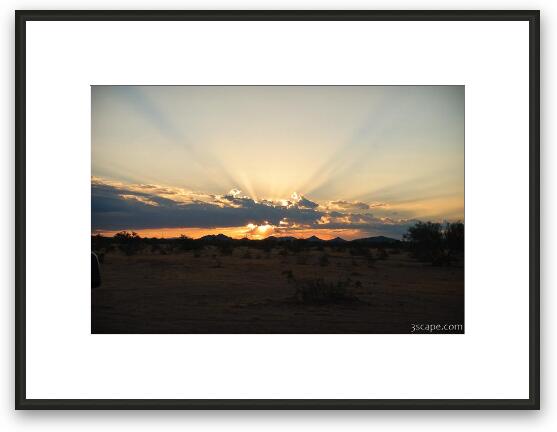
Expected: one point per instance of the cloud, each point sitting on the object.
(139, 198)
(354, 206)
(348, 205)
(302, 202)
(119, 206)
(295, 201)
(154, 192)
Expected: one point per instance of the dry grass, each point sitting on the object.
(211, 292)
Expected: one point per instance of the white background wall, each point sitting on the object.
(246, 421)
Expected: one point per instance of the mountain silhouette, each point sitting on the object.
(337, 240)
(218, 237)
(376, 240)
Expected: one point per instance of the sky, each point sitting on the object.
(255, 161)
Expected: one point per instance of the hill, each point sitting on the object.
(377, 240)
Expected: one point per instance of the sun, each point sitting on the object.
(258, 232)
(264, 229)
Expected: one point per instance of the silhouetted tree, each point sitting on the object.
(436, 243)
(129, 242)
(454, 236)
(186, 243)
(425, 240)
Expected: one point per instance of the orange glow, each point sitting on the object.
(251, 231)
(234, 232)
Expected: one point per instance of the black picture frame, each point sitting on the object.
(531, 16)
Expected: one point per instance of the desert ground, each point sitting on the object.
(255, 291)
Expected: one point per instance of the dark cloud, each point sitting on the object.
(367, 223)
(305, 203)
(112, 210)
(116, 206)
(348, 205)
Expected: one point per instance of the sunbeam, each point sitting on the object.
(291, 159)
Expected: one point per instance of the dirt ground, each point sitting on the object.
(255, 292)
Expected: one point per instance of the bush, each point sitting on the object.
(289, 275)
(382, 254)
(443, 259)
(359, 250)
(425, 240)
(436, 243)
(454, 236)
(187, 244)
(226, 249)
(318, 291)
(370, 260)
(324, 260)
(129, 242)
(266, 245)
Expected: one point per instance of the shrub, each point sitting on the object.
(425, 240)
(129, 242)
(436, 243)
(324, 260)
(266, 245)
(318, 291)
(289, 275)
(454, 236)
(382, 254)
(370, 260)
(185, 244)
(444, 258)
(226, 249)
(359, 250)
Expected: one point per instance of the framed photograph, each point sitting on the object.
(277, 210)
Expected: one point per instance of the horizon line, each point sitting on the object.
(289, 237)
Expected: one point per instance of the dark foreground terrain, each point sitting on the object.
(253, 291)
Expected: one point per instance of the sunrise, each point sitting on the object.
(301, 161)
